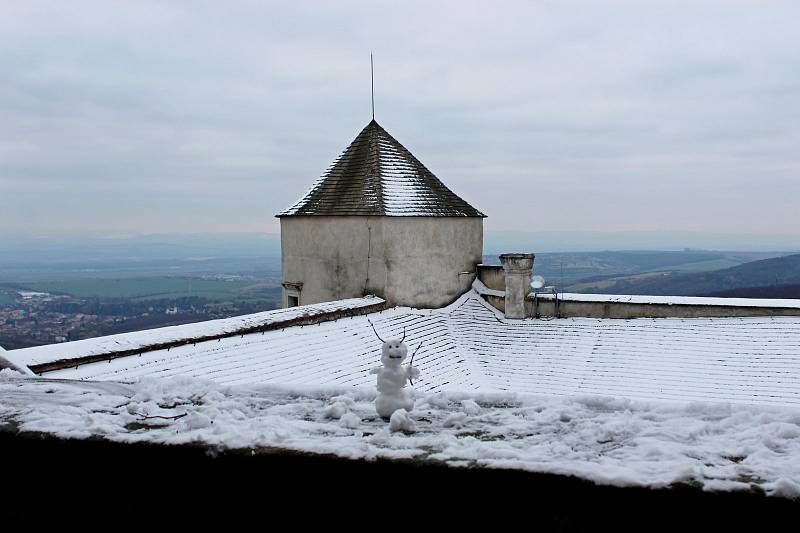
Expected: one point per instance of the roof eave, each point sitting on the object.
(361, 214)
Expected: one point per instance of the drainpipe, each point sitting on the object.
(517, 268)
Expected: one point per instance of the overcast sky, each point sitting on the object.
(138, 117)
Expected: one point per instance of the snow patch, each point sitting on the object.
(470, 407)
(401, 421)
(455, 420)
(337, 410)
(783, 487)
(350, 420)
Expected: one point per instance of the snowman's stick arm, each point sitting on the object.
(375, 330)
(411, 363)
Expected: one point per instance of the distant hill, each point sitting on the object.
(771, 291)
(575, 267)
(768, 272)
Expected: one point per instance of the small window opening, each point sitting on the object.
(294, 301)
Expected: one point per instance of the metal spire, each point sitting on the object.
(372, 79)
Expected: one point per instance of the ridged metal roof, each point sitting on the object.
(468, 347)
(376, 175)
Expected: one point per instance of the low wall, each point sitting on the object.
(492, 276)
(576, 308)
(594, 306)
(494, 279)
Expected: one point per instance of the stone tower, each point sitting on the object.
(379, 222)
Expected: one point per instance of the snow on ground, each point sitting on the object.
(719, 446)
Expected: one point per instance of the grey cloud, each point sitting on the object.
(136, 117)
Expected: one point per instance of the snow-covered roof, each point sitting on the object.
(469, 346)
(376, 175)
(7, 363)
(123, 344)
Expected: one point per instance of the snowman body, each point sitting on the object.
(392, 378)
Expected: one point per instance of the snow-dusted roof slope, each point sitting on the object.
(209, 330)
(468, 346)
(376, 175)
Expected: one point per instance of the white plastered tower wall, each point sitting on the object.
(422, 262)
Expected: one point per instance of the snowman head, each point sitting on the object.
(394, 352)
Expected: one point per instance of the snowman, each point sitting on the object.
(392, 377)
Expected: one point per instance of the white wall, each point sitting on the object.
(413, 261)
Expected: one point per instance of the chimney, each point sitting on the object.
(517, 268)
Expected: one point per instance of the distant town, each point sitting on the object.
(32, 318)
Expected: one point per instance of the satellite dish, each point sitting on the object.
(537, 282)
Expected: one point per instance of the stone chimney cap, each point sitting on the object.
(517, 261)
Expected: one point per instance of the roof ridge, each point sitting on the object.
(375, 152)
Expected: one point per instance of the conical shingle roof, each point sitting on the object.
(376, 175)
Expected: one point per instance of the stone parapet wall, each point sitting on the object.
(591, 309)
(571, 305)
